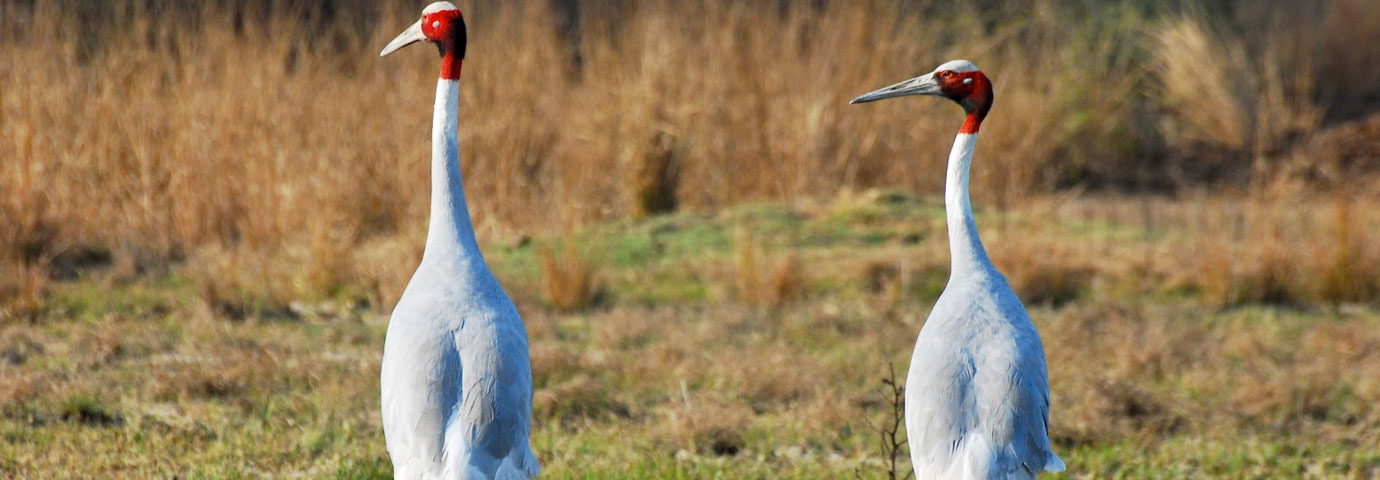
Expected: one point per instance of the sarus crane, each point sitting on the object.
(456, 378)
(977, 393)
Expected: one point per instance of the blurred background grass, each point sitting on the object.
(1184, 188)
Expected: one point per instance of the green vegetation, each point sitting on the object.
(675, 375)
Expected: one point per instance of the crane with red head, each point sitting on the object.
(456, 379)
(977, 393)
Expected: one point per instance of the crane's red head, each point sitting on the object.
(443, 25)
(957, 80)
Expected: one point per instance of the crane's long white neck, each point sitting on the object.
(965, 248)
(450, 236)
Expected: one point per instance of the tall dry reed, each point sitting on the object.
(149, 131)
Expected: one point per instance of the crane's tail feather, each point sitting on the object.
(527, 461)
(1053, 463)
(982, 459)
(531, 465)
(519, 465)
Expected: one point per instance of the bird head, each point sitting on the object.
(441, 24)
(957, 80)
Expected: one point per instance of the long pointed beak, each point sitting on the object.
(921, 85)
(412, 35)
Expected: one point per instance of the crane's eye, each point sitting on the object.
(946, 74)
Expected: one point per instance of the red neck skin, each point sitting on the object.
(971, 124)
(977, 103)
(450, 65)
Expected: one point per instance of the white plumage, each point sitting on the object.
(977, 395)
(456, 379)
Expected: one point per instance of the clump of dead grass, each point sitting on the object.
(571, 274)
(1265, 273)
(655, 176)
(1202, 77)
(23, 291)
(762, 278)
(1348, 260)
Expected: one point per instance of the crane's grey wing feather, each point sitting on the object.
(1027, 389)
(423, 376)
(495, 419)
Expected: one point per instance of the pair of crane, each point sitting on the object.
(456, 378)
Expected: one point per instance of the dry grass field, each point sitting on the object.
(207, 210)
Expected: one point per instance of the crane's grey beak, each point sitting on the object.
(412, 35)
(921, 85)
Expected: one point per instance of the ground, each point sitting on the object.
(744, 344)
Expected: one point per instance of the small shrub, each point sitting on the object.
(891, 432)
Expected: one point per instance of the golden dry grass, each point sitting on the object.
(147, 131)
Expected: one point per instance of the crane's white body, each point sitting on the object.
(456, 380)
(977, 395)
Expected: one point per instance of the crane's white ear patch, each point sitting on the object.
(435, 24)
(968, 81)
